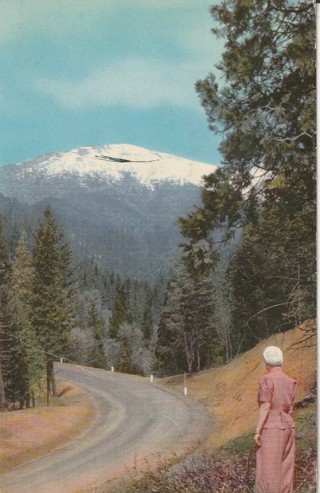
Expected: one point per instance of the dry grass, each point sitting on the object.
(229, 393)
(28, 434)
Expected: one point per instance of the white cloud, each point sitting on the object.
(139, 83)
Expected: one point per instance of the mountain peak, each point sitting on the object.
(112, 162)
(118, 204)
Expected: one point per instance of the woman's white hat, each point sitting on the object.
(273, 356)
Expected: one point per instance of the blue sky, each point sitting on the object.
(91, 72)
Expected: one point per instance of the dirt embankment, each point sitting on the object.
(31, 433)
(229, 393)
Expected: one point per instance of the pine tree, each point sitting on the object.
(264, 106)
(169, 349)
(4, 321)
(125, 365)
(130, 349)
(97, 356)
(203, 347)
(273, 287)
(25, 369)
(52, 316)
(120, 312)
(187, 336)
(147, 322)
(222, 310)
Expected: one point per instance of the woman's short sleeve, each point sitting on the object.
(265, 390)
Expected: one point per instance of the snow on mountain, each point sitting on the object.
(112, 162)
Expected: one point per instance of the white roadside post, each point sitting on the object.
(151, 378)
(185, 390)
(112, 369)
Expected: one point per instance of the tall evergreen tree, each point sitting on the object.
(147, 321)
(120, 312)
(265, 107)
(4, 321)
(130, 349)
(52, 316)
(187, 336)
(97, 356)
(265, 110)
(272, 276)
(169, 350)
(25, 369)
(203, 347)
(125, 364)
(264, 104)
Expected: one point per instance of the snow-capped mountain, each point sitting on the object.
(117, 203)
(110, 164)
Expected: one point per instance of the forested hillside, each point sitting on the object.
(55, 305)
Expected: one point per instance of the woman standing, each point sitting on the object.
(275, 428)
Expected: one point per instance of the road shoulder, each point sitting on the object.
(29, 434)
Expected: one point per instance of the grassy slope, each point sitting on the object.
(28, 434)
(230, 392)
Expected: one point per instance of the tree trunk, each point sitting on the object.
(49, 365)
(28, 400)
(2, 391)
(21, 402)
(189, 353)
(48, 386)
(53, 381)
(198, 360)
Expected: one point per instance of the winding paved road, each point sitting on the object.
(135, 421)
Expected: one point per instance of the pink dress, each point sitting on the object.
(275, 458)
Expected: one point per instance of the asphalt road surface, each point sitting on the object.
(137, 425)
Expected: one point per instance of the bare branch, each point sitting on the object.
(292, 139)
(268, 308)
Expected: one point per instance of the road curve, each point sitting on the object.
(135, 421)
